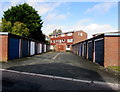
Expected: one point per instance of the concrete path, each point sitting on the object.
(64, 65)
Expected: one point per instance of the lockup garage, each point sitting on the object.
(102, 49)
(14, 46)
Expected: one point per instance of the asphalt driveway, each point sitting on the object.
(64, 64)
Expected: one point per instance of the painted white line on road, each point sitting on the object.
(27, 73)
(85, 81)
(63, 78)
(55, 56)
(112, 85)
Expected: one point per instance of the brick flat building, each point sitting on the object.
(63, 41)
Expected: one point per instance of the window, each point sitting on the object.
(60, 41)
(69, 40)
(81, 34)
(52, 36)
(62, 35)
(57, 40)
(51, 47)
(69, 34)
(68, 46)
(63, 40)
(56, 35)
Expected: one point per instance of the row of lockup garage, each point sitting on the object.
(13, 46)
(102, 49)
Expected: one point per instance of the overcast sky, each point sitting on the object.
(92, 17)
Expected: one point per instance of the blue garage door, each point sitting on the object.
(90, 53)
(25, 48)
(42, 48)
(85, 54)
(76, 49)
(99, 52)
(80, 50)
(36, 48)
(13, 51)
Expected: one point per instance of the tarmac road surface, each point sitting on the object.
(63, 64)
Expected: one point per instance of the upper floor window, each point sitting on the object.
(52, 36)
(57, 40)
(53, 41)
(60, 41)
(68, 46)
(69, 34)
(56, 35)
(62, 35)
(69, 40)
(63, 40)
(81, 34)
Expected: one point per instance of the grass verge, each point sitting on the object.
(117, 68)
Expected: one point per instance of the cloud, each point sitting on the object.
(91, 29)
(101, 8)
(98, 28)
(83, 21)
(55, 17)
(43, 7)
(68, 0)
(35, 0)
(94, 28)
(47, 29)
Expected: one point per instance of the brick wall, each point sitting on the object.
(79, 36)
(60, 47)
(111, 51)
(3, 47)
(61, 38)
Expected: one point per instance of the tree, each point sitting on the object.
(6, 26)
(27, 15)
(20, 29)
(56, 31)
(59, 31)
(0, 26)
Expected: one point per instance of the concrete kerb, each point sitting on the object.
(112, 85)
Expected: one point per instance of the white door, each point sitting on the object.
(32, 48)
(45, 48)
(40, 48)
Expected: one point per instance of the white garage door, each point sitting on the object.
(32, 48)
